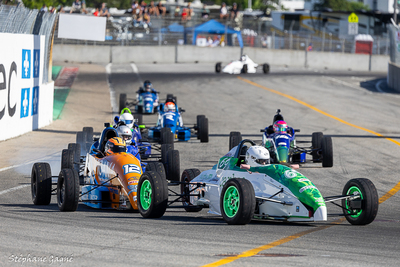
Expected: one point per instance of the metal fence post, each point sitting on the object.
(273, 40)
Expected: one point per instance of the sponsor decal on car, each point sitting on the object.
(306, 187)
(289, 174)
(131, 168)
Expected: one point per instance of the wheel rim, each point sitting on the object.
(231, 201)
(145, 195)
(353, 190)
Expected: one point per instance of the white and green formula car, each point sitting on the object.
(274, 191)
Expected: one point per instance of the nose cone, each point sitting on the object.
(320, 214)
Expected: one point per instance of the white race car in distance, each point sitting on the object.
(244, 65)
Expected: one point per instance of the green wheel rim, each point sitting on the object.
(231, 201)
(145, 195)
(351, 191)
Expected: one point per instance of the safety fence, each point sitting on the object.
(21, 20)
(123, 31)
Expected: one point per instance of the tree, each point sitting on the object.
(341, 5)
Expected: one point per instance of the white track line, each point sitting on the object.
(29, 162)
(136, 71)
(13, 189)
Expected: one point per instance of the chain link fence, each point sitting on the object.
(171, 31)
(21, 20)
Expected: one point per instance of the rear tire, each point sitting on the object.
(203, 130)
(157, 167)
(164, 152)
(68, 190)
(187, 176)
(173, 165)
(122, 102)
(327, 153)
(152, 195)
(218, 67)
(41, 183)
(234, 139)
(89, 134)
(237, 201)
(369, 201)
(245, 68)
(266, 68)
(316, 142)
(198, 123)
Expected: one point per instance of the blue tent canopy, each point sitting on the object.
(174, 27)
(214, 27)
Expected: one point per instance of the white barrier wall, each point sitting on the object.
(191, 54)
(25, 102)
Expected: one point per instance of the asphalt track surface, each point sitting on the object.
(346, 105)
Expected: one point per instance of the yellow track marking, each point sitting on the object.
(255, 251)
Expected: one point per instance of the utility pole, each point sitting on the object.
(395, 11)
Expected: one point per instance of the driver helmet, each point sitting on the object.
(127, 118)
(169, 106)
(115, 145)
(125, 133)
(280, 127)
(257, 156)
(147, 86)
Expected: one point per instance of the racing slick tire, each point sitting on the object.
(139, 118)
(245, 68)
(152, 197)
(122, 101)
(89, 134)
(164, 152)
(198, 118)
(365, 212)
(234, 139)
(170, 96)
(41, 183)
(266, 68)
(327, 154)
(187, 176)
(173, 166)
(316, 143)
(81, 138)
(68, 190)
(203, 130)
(156, 166)
(167, 137)
(237, 201)
(76, 160)
(218, 67)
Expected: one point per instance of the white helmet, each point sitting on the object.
(127, 118)
(125, 133)
(257, 156)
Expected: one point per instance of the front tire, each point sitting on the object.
(164, 152)
(237, 201)
(218, 67)
(157, 167)
(369, 201)
(203, 130)
(152, 195)
(68, 190)
(173, 165)
(244, 68)
(266, 68)
(41, 183)
(234, 139)
(327, 153)
(186, 178)
(316, 143)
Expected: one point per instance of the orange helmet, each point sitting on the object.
(169, 106)
(115, 145)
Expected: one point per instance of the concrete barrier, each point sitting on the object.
(393, 78)
(191, 54)
(82, 53)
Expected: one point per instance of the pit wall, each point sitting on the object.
(26, 103)
(191, 54)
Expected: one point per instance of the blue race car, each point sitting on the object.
(147, 99)
(170, 125)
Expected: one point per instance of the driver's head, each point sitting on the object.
(147, 86)
(127, 118)
(280, 127)
(115, 145)
(125, 133)
(257, 156)
(169, 106)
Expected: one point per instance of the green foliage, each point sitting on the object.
(341, 5)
